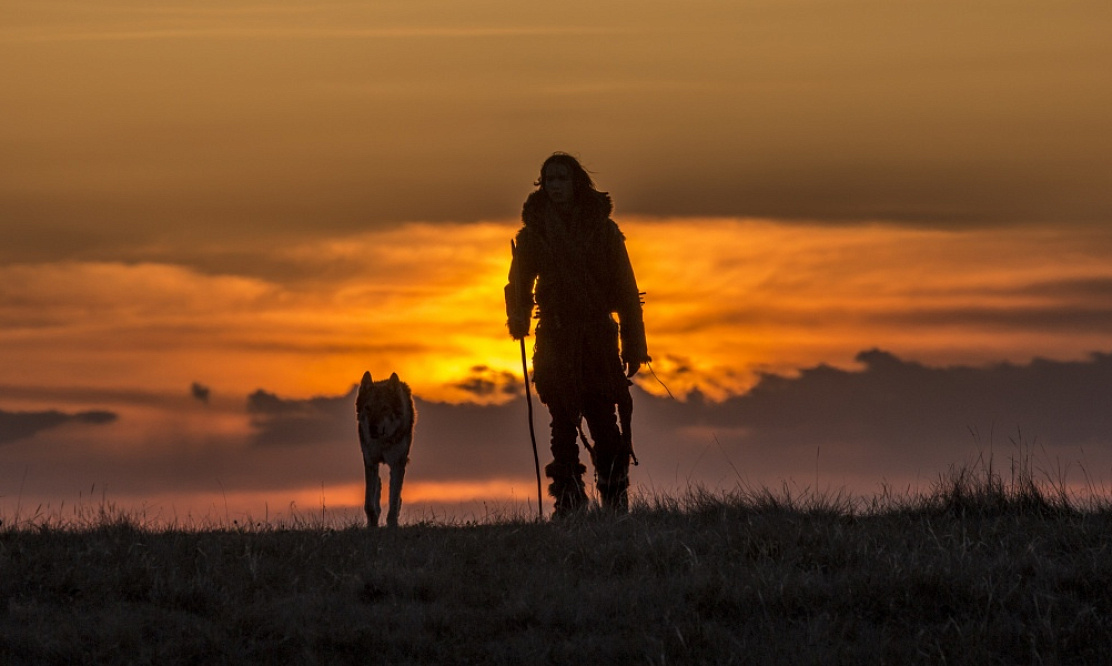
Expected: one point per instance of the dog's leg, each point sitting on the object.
(397, 475)
(371, 505)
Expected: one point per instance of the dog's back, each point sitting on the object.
(386, 417)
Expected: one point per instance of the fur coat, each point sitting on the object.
(575, 268)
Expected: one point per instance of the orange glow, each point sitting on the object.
(331, 504)
(731, 298)
(416, 490)
(727, 299)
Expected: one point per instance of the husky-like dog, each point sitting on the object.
(385, 414)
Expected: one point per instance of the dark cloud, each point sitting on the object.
(477, 442)
(1082, 289)
(840, 112)
(959, 195)
(485, 382)
(848, 193)
(892, 401)
(200, 392)
(284, 422)
(451, 442)
(891, 419)
(21, 425)
(1060, 319)
(264, 402)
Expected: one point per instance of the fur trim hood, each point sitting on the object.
(595, 206)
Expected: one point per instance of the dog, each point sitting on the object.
(385, 414)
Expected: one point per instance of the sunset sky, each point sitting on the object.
(875, 239)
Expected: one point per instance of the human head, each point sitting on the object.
(581, 180)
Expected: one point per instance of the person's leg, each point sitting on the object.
(565, 470)
(611, 455)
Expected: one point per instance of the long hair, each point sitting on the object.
(582, 184)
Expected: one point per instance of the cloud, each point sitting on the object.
(286, 34)
(895, 419)
(22, 425)
(726, 299)
(892, 401)
(485, 382)
(311, 422)
(885, 419)
(200, 392)
(837, 111)
(385, 300)
(464, 442)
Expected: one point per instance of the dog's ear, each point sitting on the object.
(394, 379)
(364, 388)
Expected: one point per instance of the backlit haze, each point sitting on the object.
(874, 238)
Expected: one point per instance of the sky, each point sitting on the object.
(874, 238)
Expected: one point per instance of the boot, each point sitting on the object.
(613, 486)
(567, 488)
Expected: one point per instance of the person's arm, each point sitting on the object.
(632, 331)
(519, 290)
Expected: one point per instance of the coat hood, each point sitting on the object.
(596, 205)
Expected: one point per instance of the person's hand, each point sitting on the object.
(633, 362)
(519, 327)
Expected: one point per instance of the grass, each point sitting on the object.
(981, 569)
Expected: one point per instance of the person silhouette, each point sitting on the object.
(570, 261)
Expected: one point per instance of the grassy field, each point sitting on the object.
(979, 571)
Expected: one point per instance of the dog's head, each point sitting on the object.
(380, 406)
